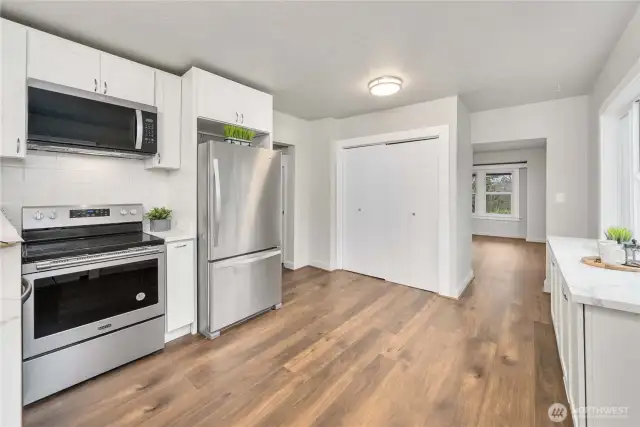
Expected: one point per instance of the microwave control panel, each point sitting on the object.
(149, 128)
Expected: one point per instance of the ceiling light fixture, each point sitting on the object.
(384, 86)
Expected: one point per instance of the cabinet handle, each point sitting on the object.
(105, 88)
(159, 159)
(181, 246)
(565, 296)
(95, 85)
(237, 117)
(241, 118)
(18, 145)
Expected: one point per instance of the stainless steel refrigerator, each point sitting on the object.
(239, 222)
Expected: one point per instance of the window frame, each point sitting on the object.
(481, 172)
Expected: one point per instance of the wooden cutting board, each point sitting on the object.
(594, 261)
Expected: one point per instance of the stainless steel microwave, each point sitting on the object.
(71, 120)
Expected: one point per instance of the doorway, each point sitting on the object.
(287, 202)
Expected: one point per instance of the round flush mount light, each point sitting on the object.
(384, 86)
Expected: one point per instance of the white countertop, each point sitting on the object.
(173, 235)
(8, 233)
(619, 290)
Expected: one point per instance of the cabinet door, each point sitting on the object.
(14, 90)
(181, 284)
(364, 211)
(168, 101)
(56, 60)
(255, 108)
(217, 98)
(126, 79)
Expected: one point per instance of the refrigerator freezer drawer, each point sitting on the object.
(243, 286)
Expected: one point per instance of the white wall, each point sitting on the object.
(462, 198)
(296, 132)
(622, 66)
(564, 124)
(532, 201)
(71, 179)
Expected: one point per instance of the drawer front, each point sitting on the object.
(244, 286)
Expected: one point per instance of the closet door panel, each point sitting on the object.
(363, 211)
(398, 194)
(423, 220)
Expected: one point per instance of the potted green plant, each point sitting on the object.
(160, 219)
(619, 234)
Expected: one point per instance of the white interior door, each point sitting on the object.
(422, 204)
(413, 214)
(364, 210)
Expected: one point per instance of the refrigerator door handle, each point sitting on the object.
(247, 259)
(218, 211)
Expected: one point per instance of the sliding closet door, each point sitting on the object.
(413, 214)
(364, 223)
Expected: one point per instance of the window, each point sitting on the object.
(494, 191)
(498, 193)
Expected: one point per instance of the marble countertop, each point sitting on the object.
(619, 290)
(173, 235)
(8, 234)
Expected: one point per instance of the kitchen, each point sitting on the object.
(206, 222)
(88, 154)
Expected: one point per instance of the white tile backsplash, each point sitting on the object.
(45, 178)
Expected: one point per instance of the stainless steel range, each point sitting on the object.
(97, 293)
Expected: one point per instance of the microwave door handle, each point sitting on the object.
(138, 129)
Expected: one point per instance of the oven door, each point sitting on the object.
(73, 304)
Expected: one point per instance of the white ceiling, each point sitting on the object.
(509, 145)
(317, 57)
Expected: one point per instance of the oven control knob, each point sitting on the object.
(123, 211)
(38, 215)
(133, 212)
(53, 215)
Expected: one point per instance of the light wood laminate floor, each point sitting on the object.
(350, 350)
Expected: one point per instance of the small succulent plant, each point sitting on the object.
(158, 213)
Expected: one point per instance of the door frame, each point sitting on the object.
(446, 269)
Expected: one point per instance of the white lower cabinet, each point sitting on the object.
(180, 284)
(599, 351)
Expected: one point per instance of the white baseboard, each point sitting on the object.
(289, 265)
(462, 286)
(546, 287)
(177, 333)
(321, 265)
(537, 240)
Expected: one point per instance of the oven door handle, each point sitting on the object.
(92, 259)
(28, 289)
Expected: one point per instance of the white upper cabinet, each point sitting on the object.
(14, 90)
(168, 101)
(125, 79)
(226, 101)
(56, 60)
